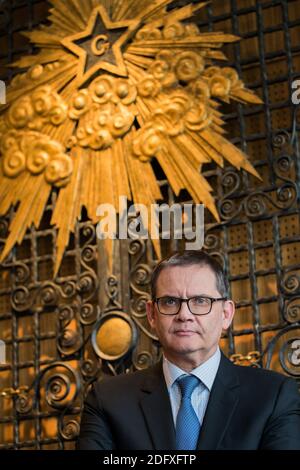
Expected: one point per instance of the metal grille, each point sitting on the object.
(50, 326)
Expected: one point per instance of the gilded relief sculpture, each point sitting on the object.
(113, 86)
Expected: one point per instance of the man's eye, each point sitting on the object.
(169, 301)
(199, 301)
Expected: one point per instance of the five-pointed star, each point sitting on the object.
(99, 45)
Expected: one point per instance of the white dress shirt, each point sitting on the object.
(206, 373)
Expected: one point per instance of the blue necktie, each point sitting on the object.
(187, 422)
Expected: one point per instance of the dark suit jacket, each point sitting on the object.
(248, 408)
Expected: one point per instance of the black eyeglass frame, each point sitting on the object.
(212, 299)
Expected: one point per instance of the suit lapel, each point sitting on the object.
(156, 407)
(221, 405)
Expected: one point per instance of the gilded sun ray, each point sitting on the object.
(114, 86)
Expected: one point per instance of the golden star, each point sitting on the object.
(99, 45)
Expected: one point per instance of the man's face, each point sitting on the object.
(187, 338)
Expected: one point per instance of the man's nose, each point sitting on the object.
(184, 312)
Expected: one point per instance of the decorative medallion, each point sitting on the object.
(114, 336)
(114, 86)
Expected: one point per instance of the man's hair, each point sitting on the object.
(191, 258)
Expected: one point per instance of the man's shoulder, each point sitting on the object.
(130, 380)
(259, 373)
(255, 375)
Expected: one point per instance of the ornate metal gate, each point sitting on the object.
(62, 334)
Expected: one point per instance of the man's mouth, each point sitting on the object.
(184, 332)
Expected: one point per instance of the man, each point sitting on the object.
(195, 398)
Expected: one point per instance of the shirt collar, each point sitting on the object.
(206, 372)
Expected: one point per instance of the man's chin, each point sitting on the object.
(184, 349)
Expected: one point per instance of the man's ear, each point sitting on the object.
(150, 313)
(228, 313)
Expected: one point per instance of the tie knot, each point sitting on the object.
(187, 384)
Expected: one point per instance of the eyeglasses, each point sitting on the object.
(198, 305)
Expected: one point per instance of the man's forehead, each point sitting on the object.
(194, 271)
(185, 268)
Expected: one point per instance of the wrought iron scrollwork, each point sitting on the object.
(291, 283)
(68, 429)
(20, 273)
(212, 242)
(91, 368)
(287, 344)
(292, 310)
(142, 360)
(112, 291)
(259, 203)
(138, 306)
(88, 313)
(48, 294)
(68, 289)
(21, 299)
(61, 384)
(69, 341)
(24, 403)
